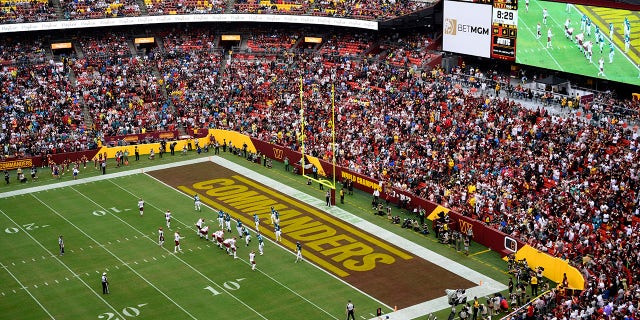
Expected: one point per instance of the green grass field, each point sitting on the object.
(104, 233)
(564, 55)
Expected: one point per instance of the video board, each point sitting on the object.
(467, 27)
(591, 41)
(504, 29)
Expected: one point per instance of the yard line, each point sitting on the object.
(173, 255)
(247, 262)
(27, 290)
(112, 254)
(63, 264)
(268, 239)
(544, 47)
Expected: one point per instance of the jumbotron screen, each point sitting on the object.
(467, 28)
(591, 41)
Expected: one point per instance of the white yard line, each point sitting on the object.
(75, 275)
(544, 46)
(114, 255)
(247, 262)
(174, 255)
(27, 290)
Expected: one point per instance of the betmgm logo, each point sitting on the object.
(452, 28)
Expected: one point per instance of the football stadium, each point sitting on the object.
(243, 159)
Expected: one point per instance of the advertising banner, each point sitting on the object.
(467, 28)
(135, 138)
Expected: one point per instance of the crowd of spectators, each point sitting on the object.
(565, 185)
(121, 92)
(409, 51)
(23, 11)
(190, 66)
(81, 9)
(40, 112)
(368, 10)
(20, 51)
(295, 7)
(45, 10)
(162, 7)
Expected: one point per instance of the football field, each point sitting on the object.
(103, 232)
(564, 53)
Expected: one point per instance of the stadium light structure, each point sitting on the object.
(331, 184)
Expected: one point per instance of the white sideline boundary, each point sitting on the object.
(489, 285)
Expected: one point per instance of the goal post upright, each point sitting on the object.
(329, 183)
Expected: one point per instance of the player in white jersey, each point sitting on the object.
(627, 43)
(549, 36)
(218, 236)
(567, 25)
(167, 216)
(278, 231)
(176, 239)
(545, 14)
(227, 221)
(230, 245)
(221, 218)
(204, 232)
(298, 251)
(256, 220)
(588, 50)
(252, 260)
(160, 236)
(579, 39)
(247, 235)
(538, 31)
(612, 52)
(239, 228)
(260, 243)
(199, 225)
(141, 206)
(196, 202)
(526, 5)
(601, 66)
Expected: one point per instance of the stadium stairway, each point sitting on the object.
(58, 9)
(230, 6)
(86, 115)
(78, 49)
(143, 7)
(132, 48)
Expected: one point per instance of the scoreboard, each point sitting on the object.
(504, 29)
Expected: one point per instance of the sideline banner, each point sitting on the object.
(39, 161)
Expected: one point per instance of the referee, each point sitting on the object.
(350, 311)
(105, 284)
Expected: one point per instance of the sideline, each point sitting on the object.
(486, 285)
(107, 176)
